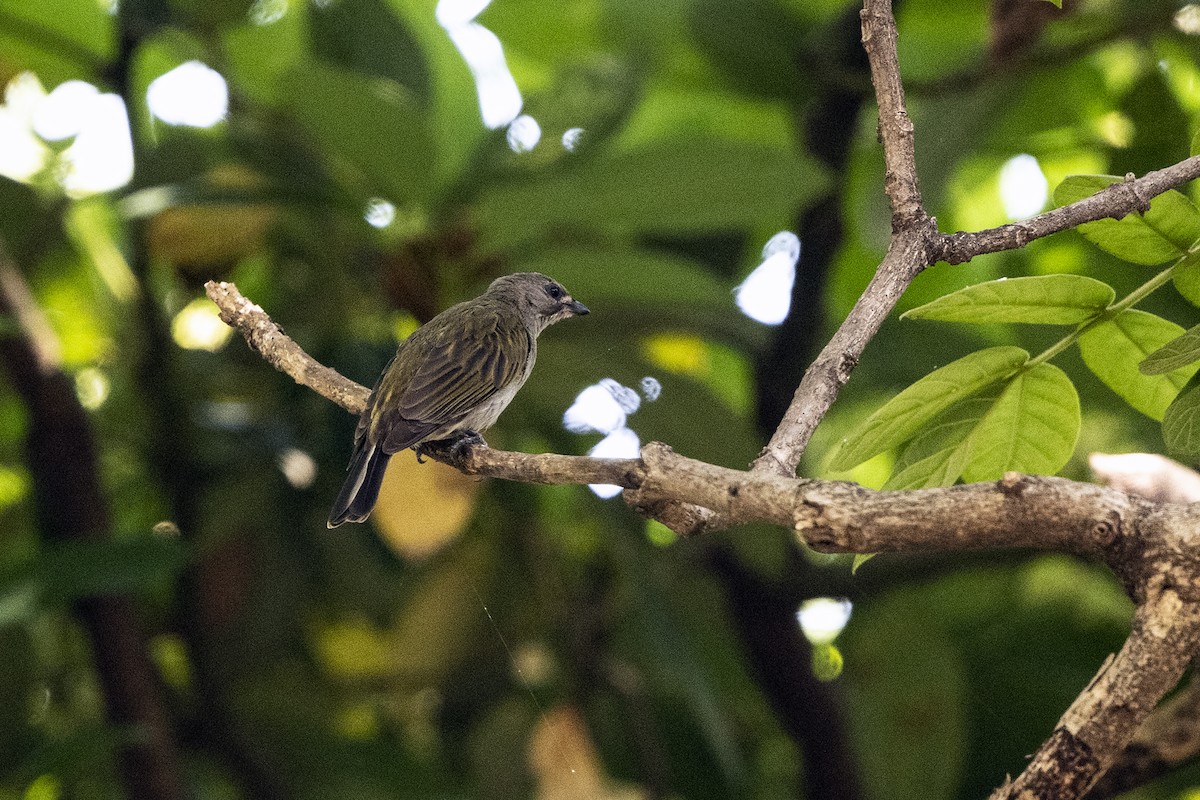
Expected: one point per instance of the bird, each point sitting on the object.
(450, 380)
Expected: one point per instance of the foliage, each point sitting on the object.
(502, 640)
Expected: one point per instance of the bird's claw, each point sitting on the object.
(453, 450)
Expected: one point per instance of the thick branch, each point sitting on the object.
(1170, 736)
(1097, 726)
(1152, 547)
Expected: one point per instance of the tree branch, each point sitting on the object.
(70, 505)
(1150, 546)
(913, 232)
(1130, 196)
(917, 244)
(1101, 721)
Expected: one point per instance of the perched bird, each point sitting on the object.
(451, 379)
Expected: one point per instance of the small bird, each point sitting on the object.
(451, 379)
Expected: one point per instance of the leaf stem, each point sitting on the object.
(1134, 297)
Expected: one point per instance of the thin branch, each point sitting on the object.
(1116, 201)
(908, 253)
(895, 127)
(280, 351)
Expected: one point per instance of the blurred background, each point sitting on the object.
(175, 618)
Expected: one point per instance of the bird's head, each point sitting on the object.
(544, 299)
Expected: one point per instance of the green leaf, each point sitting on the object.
(57, 41)
(827, 662)
(1181, 422)
(1056, 3)
(1040, 299)
(907, 412)
(907, 690)
(1032, 427)
(753, 42)
(1187, 278)
(1168, 230)
(859, 560)
(1114, 349)
(258, 56)
(938, 454)
(676, 186)
(368, 37)
(1179, 352)
(371, 126)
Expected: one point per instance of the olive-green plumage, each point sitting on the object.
(451, 378)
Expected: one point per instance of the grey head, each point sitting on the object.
(541, 300)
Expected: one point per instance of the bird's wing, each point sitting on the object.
(461, 367)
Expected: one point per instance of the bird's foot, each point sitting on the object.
(453, 450)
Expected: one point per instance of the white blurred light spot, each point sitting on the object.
(594, 409)
(65, 110)
(92, 388)
(621, 443)
(626, 398)
(265, 12)
(823, 618)
(199, 327)
(651, 388)
(380, 213)
(298, 467)
(571, 138)
(192, 94)
(1187, 19)
(22, 155)
(1023, 187)
(524, 133)
(783, 242)
(601, 407)
(101, 157)
(499, 98)
(766, 294)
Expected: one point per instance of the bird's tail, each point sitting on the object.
(361, 489)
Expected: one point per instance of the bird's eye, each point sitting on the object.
(554, 291)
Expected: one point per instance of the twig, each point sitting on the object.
(1129, 196)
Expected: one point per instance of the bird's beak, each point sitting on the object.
(577, 308)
